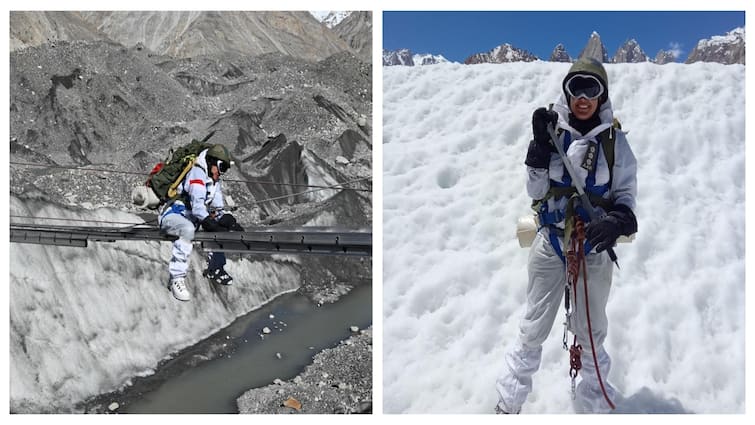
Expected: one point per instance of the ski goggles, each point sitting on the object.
(584, 85)
(223, 166)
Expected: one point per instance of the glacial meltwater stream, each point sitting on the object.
(298, 328)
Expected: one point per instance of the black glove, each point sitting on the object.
(603, 232)
(539, 152)
(540, 120)
(210, 225)
(229, 222)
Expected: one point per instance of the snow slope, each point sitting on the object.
(455, 138)
(85, 320)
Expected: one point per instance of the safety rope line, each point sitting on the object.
(332, 187)
(576, 260)
(138, 173)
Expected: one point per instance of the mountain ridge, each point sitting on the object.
(727, 49)
(184, 34)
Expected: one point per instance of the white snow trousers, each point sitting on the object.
(545, 291)
(178, 225)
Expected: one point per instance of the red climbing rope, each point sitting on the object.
(576, 260)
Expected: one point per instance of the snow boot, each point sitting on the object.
(178, 288)
(218, 276)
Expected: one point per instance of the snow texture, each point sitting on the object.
(455, 139)
(85, 320)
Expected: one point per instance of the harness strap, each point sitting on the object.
(553, 238)
(562, 189)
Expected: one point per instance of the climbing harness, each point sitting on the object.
(575, 262)
(583, 196)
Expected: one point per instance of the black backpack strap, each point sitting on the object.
(608, 143)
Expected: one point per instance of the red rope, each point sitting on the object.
(576, 259)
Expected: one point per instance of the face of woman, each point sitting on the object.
(214, 172)
(583, 108)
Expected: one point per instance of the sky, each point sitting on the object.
(454, 276)
(458, 35)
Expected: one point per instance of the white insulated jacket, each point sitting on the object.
(623, 188)
(199, 191)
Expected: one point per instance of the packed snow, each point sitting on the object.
(83, 321)
(454, 276)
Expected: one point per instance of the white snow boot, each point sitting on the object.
(219, 276)
(178, 288)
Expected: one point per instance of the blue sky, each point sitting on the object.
(457, 35)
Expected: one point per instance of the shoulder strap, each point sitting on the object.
(608, 143)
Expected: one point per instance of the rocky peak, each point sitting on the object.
(428, 59)
(559, 54)
(409, 58)
(664, 56)
(502, 54)
(356, 30)
(595, 48)
(630, 52)
(726, 49)
(397, 57)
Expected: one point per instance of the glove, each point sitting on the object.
(210, 225)
(603, 232)
(540, 120)
(229, 222)
(539, 151)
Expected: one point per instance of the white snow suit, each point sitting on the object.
(547, 273)
(197, 192)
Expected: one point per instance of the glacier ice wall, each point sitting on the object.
(85, 320)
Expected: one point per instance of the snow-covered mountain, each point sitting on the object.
(408, 58)
(630, 52)
(454, 276)
(502, 54)
(725, 49)
(559, 54)
(398, 57)
(330, 18)
(428, 59)
(664, 57)
(728, 49)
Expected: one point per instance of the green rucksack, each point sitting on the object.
(166, 176)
